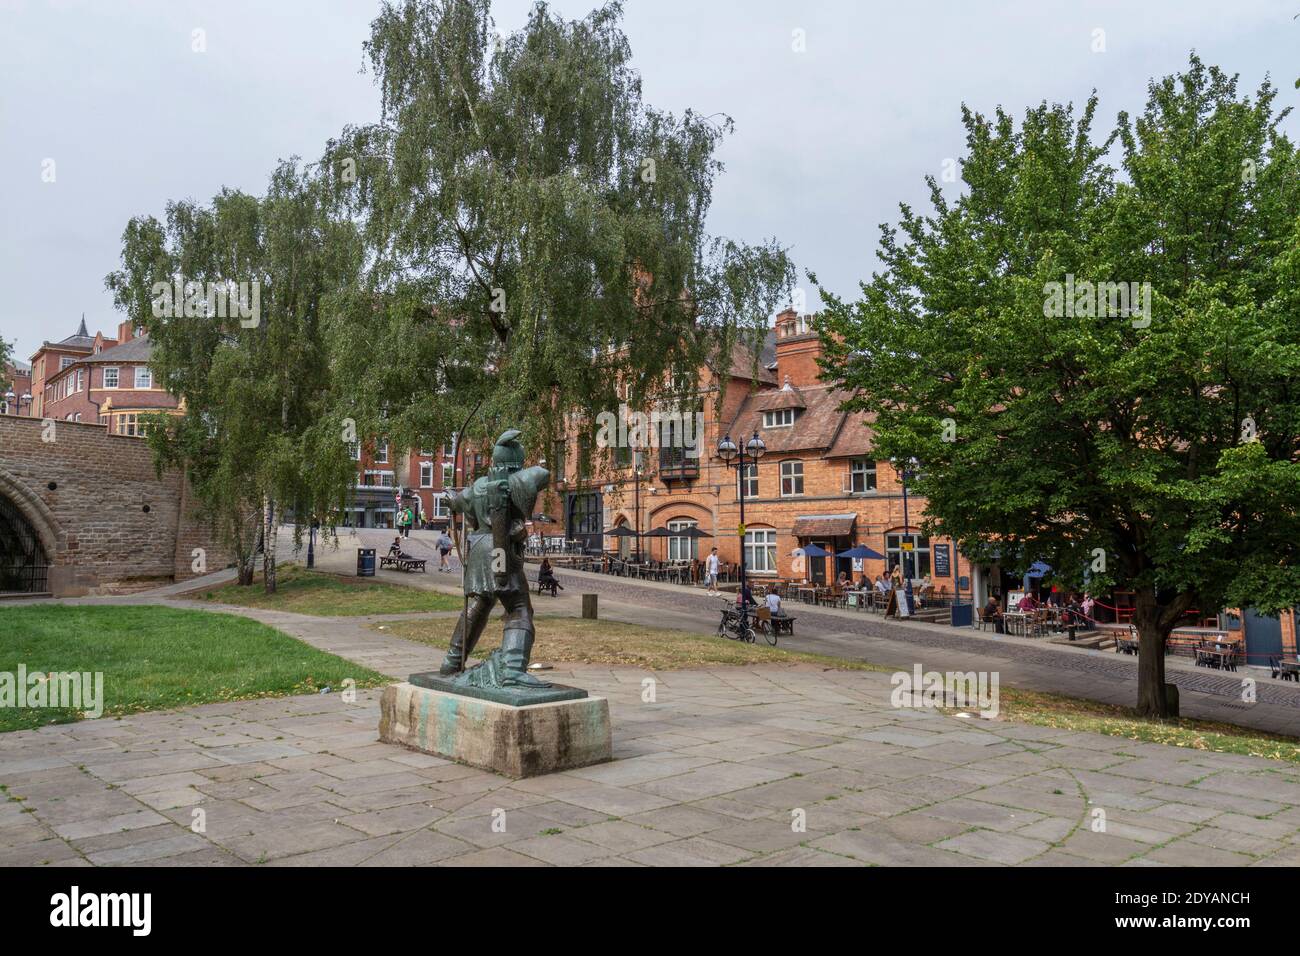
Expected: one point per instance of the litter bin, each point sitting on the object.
(365, 562)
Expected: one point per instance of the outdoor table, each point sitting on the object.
(808, 595)
(1015, 622)
(1289, 670)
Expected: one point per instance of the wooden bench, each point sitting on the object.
(550, 584)
(402, 563)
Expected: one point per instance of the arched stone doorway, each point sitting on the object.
(24, 563)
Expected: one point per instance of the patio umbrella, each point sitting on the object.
(692, 532)
(861, 551)
(1038, 569)
(657, 533)
(813, 551)
(622, 531)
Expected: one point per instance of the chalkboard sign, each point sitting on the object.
(904, 608)
(942, 565)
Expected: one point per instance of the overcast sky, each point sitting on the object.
(828, 140)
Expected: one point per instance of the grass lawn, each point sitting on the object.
(328, 595)
(572, 640)
(154, 658)
(1070, 713)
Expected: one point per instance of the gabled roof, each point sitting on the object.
(138, 349)
(819, 426)
(743, 365)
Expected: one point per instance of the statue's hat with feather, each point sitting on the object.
(508, 452)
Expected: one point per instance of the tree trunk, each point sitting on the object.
(269, 537)
(1152, 634)
(245, 551)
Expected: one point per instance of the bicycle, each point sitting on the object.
(731, 628)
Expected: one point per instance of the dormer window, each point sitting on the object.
(778, 418)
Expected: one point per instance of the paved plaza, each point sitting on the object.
(763, 766)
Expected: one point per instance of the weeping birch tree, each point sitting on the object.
(536, 232)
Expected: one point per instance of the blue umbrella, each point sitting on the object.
(1038, 569)
(813, 551)
(861, 551)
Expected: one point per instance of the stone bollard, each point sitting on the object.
(589, 606)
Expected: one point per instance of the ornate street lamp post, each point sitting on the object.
(727, 450)
(638, 468)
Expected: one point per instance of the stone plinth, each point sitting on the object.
(516, 741)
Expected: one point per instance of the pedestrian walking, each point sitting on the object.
(444, 551)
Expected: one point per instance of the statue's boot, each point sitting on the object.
(516, 647)
(454, 662)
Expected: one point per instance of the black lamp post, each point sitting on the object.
(908, 470)
(727, 450)
(311, 543)
(637, 468)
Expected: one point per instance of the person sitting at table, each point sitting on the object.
(842, 580)
(546, 576)
(993, 612)
(881, 584)
(1028, 602)
(774, 604)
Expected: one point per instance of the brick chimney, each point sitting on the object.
(797, 349)
(125, 332)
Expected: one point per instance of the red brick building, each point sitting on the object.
(817, 483)
(388, 480)
(99, 380)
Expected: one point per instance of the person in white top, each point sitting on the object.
(711, 572)
(774, 603)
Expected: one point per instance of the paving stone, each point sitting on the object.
(1233, 840)
(621, 836)
(974, 813)
(560, 849)
(884, 850)
(692, 851)
(683, 820)
(1186, 853)
(98, 825)
(1103, 847)
(999, 847)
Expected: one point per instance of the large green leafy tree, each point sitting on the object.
(537, 232)
(254, 437)
(1154, 452)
